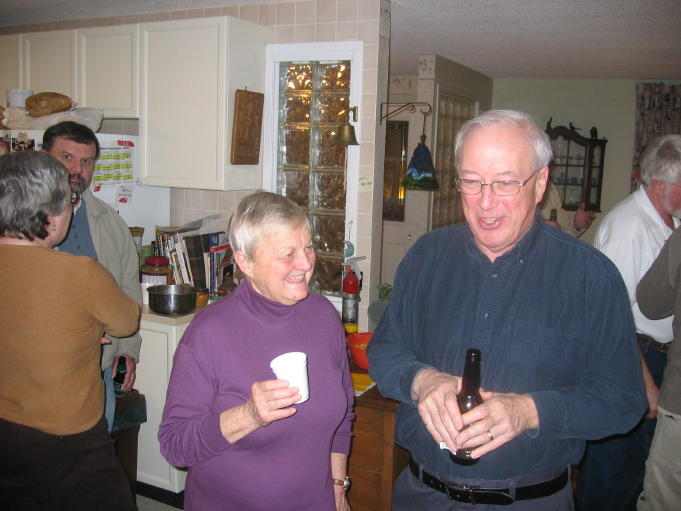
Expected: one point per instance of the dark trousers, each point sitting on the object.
(610, 476)
(41, 472)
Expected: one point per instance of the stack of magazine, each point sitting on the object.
(196, 258)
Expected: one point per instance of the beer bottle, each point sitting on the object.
(468, 398)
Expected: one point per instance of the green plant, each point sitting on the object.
(384, 292)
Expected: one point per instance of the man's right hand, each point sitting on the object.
(435, 392)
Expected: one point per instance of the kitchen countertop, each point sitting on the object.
(172, 320)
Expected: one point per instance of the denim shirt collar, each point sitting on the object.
(520, 250)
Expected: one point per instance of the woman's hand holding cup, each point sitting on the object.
(271, 400)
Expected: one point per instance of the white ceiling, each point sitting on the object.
(542, 38)
(639, 39)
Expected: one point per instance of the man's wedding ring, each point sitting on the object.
(490, 435)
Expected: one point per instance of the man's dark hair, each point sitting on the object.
(70, 130)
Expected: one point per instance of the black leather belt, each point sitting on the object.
(493, 496)
(647, 341)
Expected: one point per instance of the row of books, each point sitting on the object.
(196, 259)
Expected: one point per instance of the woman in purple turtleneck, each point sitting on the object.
(226, 417)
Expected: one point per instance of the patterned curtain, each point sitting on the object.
(658, 112)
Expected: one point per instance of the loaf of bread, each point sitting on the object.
(46, 103)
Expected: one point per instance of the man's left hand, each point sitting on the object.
(130, 366)
(500, 419)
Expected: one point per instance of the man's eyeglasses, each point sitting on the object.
(75, 197)
(499, 188)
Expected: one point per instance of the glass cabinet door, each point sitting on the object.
(577, 168)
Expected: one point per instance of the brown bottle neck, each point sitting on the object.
(471, 373)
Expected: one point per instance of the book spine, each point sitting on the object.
(186, 272)
(213, 273)
(180, 258)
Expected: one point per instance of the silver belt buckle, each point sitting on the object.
(465, 493)
(458, 491)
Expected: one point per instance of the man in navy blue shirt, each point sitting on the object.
(550, 315)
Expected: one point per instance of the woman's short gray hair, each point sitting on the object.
(33, 186)
(662, 160)
(260, 213)
(541, 145)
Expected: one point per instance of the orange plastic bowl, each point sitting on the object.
(358, 348)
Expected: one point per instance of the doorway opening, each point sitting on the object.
(395, 166)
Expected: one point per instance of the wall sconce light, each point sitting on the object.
(346, 132)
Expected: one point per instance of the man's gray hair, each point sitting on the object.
(259, 214)
(541, 146)
(662, 160)
(33, 186)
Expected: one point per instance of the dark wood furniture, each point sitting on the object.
(577, 166)
(375, 461)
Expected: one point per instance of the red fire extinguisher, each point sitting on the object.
(350, 300)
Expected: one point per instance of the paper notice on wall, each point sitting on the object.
(124, 193)
(115, 163)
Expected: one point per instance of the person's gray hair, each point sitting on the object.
(33, 186)
(261, 213)
(539, 141)
(662, 160)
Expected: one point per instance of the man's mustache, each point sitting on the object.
(76, 180)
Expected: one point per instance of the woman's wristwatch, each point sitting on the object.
(345, 483)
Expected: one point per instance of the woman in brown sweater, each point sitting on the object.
(54, 309)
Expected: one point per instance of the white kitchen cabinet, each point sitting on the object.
(49, 62)
(108, 77)
(190, 71)
(10, 65)
(160, 337)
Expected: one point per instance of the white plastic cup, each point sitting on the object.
(292, 367)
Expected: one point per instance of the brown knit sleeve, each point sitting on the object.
(118, 313)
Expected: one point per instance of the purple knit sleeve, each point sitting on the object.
(190, 430)
(341, 439)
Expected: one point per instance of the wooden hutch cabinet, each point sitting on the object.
(576, 169)
(375, 460)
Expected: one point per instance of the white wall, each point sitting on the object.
(607, 104)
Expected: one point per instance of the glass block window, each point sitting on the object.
(311, 167)
(452, 112)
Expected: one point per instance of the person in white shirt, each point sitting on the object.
(632, 235)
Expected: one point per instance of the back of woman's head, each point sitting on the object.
(257, 215)
(33, 186)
